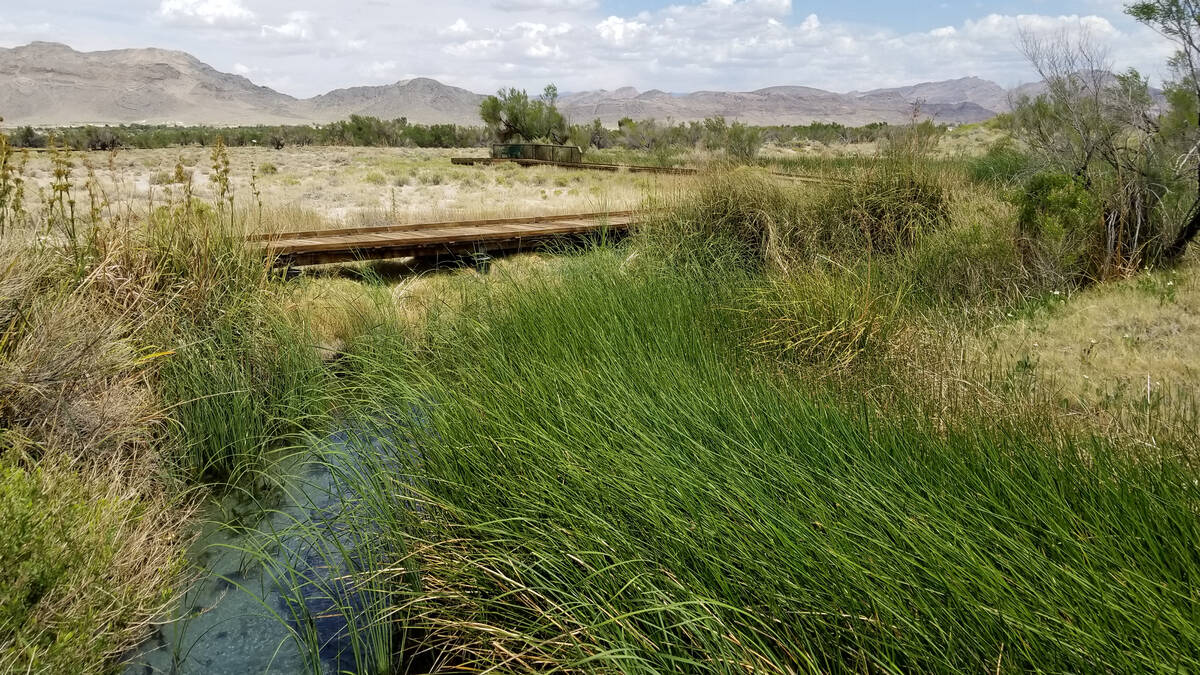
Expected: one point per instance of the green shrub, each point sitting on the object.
(376, 178)
(1060, 227)
(267, 169)
(742, 142)
(1003, 164)
(84, 562)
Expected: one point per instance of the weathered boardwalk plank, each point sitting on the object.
(432, 239)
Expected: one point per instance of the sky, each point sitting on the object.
(306, 47)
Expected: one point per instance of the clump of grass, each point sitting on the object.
(1003, 164)
(605, 481)
(881, 211)
(244, 383)
(738, 212)
(430, 177)
(375, 178)
(268, 169)
(828, 317)
(86, 558)
(886, 210)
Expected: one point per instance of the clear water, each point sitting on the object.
(274, 596)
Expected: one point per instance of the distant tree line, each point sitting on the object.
(362, 131)
(358, 130)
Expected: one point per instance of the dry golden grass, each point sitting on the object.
(88, 558)
(317, 187)
(1132, 345)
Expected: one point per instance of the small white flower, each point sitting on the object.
(1170, 283)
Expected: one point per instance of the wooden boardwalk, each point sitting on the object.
(632, 168)
(454, 238)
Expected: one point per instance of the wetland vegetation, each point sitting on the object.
(934, 411)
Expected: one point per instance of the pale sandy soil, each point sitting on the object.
(337, 186)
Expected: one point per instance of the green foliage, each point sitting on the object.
(742, 142)
(885, 211)
(241, 385)
(242, 379)
(1003, 164)
(1058, 223)
(512, 116)
(357, 131)
(607, 482)
(746, 216)
(738, 216)
(825, 317)
(68, 604)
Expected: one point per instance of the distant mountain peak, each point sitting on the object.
(50, 83)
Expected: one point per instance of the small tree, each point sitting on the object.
(1179, 21)
(1101, 131)
(512, 115)
(742, 142)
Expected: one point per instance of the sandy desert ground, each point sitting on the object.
(330, 186)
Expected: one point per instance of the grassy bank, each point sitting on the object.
(146, 359)
(607, 481)
(783, 427)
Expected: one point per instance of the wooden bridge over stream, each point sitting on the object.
(431, 240)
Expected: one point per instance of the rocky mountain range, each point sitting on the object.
(49, 84)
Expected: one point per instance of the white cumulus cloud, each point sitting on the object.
(205, 12)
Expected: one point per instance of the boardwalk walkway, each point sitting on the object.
(432, 239)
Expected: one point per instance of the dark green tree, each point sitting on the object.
(512, 116)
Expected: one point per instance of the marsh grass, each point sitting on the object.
(607, 482)
(142, 354)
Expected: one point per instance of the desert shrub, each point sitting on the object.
(742, 142)
(177, 177)
(26, 137)
(430, 178)
(1003, 164)
(85, 560)
(375, 178)
(268, 169)
(1059, 225)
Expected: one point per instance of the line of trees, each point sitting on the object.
(363, 131)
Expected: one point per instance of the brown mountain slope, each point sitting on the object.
(51, 84)
(421, 101)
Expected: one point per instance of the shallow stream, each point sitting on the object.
(274, 597)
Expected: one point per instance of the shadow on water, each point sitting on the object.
(300, 586)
